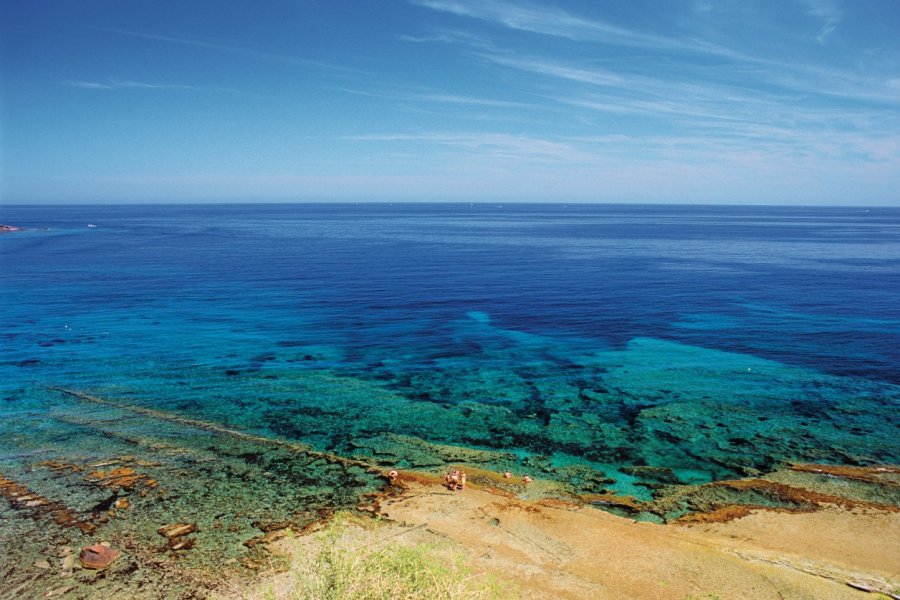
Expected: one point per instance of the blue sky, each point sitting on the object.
(689, 101)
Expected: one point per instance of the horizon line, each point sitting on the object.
(496, 203)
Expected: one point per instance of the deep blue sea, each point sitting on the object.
(573, 342)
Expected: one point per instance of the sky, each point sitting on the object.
(639, 101)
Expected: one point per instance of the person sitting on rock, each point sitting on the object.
(526, 480)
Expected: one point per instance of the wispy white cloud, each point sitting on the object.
(757, 70)
(556, 22)
(237, 50)
(114, 84)
(834, 82)
(494, 146)
(758, 148)
(437, 97)
(471, 100)
(446, 36)
(766, 94)
(740, 110)
(628, 92)
(420, 39)
(88, 85)
(828, 11)
(706, 122)
(595, 76)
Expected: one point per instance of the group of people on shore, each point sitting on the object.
(456, 479)
(507, 475)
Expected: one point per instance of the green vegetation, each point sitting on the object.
(336, 570)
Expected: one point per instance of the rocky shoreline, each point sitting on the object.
(87, 554)
(178, 507)
(544, 547)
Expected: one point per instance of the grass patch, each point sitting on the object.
(347, 562)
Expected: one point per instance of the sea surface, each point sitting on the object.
(607, 348)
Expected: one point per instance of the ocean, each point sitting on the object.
(229, 358)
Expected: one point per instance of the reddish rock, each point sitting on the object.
(97, 556)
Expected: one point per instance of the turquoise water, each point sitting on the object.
(571, 343)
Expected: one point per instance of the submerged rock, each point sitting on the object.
(653, 474)
(879, 474)
(124, 478)
(60, 591)
(177, 534)
(97, 556)
(268, 538)
(68, 565)
(418, 453)
(177, 530)
(628, 504)
(182, 543)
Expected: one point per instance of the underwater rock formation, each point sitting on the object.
(97, 556)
